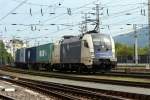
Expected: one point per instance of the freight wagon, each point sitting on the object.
(20, 58)
(34, 57)
(44, 56)
(30, 57)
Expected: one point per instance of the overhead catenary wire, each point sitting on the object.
(13, 10)
(90, 7)
(34, 4)
(75, 9)
(62, 14)
(61, 30)
(63, 17)
(72, 25)
(124, 5)
(52, 18)
(66, 24)
(117, 14)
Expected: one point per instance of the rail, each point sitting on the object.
(115, 93)
(61, 91)
(3, 97)
(89, 79)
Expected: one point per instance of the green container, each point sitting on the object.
(44, 53)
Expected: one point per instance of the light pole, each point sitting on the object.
(136, 43)
(149, 31)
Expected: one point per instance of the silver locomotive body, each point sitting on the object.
(102, 50)
(87, 52)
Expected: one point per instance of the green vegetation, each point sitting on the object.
(5, 57)
(125, 50)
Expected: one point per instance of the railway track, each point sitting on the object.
(90, 79)
(67, 92)
(110, 92)
(112, 73)
(3, 97)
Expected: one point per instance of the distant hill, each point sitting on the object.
(129, 38)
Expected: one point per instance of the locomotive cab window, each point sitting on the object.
(102, 42)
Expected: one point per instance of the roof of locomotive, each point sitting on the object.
(68, 39)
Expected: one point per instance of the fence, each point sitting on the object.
(131, 59)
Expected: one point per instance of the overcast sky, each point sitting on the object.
(53, 20)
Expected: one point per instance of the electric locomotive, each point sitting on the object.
(89, 52)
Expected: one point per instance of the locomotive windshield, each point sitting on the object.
(101, 42)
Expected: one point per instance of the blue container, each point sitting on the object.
(17, 55)
(30, 55)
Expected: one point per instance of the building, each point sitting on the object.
(13, 45)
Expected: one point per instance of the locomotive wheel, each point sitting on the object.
(50, 69)
(79, 70)
(93, 70)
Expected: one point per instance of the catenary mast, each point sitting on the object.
(149, 29)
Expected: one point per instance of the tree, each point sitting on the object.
(125, 50)
(5, 57)
(143, 51)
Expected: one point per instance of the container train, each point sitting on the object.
(88, 52)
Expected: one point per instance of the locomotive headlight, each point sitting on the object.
(113, 59)
(92, 55)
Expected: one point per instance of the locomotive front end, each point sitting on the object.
(104, 51)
